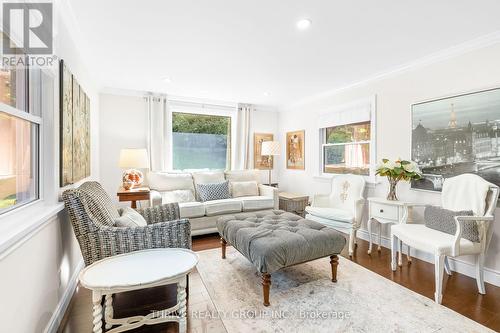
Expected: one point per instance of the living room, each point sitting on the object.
(265, 166)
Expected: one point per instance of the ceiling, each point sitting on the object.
(252, 51)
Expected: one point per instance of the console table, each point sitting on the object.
(384, 212)
(138, 270)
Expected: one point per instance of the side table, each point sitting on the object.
(293, 203)
(133, 195)
(138, 270)
(384, 212)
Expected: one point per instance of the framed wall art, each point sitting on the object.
(295, 150)
(261, 162)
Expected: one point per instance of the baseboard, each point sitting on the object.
(490, 275)
(61, 308)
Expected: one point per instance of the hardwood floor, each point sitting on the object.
(459, 293)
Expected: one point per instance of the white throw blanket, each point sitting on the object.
(465, 192)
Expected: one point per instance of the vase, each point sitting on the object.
(393, 183)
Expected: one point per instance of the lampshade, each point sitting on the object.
(270, 148)
(134, 158)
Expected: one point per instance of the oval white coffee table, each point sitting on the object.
(138, 270)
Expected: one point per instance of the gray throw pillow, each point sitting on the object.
(213, 191)
(130, 218)
(444, 220)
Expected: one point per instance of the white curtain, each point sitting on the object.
(160, 132)
(242, 148)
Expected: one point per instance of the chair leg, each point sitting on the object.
(334, 262)
(223, 244)
(480, 274)
(447, 266)
(438, 275)
(351, 242)
(394, 251)
(355, 238)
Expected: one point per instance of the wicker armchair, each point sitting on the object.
(92, 214)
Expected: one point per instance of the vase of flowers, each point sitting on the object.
(396, 171)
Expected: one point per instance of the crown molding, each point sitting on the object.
(448, 53)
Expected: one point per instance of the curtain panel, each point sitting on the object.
(160, 132)
(242, 146)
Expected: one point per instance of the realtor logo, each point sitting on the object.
(29, 25)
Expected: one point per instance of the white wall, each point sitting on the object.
(124, 124)
(395, 93)
(39, 271)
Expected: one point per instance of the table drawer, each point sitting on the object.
(388, 212)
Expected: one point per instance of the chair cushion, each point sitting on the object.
(215, 191)
(177, 196)
(244, 189)
(225, 206)
(256, 203)
(192, 209)
(444, 220)
(422, 238)
(130, 218)
(97, 203)
(331, 213)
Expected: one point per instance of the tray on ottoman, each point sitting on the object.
(277, 239)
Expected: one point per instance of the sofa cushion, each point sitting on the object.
(223, 206)
(256, 203)
(215, 191)
(244, 189)
(163, 181)
(331, 214)
(441, 219)
(129, 217)
(243, 175)
(208, 177)
(177, 196)
(192, 209)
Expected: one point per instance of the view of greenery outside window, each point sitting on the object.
(201, 141)
(346, 149)
(19, 137)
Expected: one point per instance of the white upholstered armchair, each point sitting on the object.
(464, 193)
(342, 209)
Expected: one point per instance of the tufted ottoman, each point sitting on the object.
(277, 239)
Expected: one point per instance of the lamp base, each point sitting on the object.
(132, 178)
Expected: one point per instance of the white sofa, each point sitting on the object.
(167, 187)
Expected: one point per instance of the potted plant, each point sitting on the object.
(396, 171)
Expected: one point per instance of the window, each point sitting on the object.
(19, 137)
(346, 149)
(200, 141)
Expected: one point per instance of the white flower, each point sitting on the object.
(389, 165)
(412, 167)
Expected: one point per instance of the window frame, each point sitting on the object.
(37, 163)
(351, 107)
(206, 109)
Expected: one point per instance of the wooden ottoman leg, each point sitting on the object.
(266, 285)
(223, 243)
(334, 261)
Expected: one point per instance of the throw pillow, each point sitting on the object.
(130, 218)
(441, 219)
(213, 191)
(244, 189)
(177, 196)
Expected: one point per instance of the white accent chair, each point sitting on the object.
(459, 193)
(342, 209)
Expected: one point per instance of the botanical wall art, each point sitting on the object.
(74, 129)
(295, 150)
(261, 162)
(456, 135)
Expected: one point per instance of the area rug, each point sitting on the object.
(303, 299)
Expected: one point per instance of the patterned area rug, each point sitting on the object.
(303, 299)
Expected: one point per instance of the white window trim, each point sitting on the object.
(371, 178)
(208, 109)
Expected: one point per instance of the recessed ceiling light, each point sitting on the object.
(303, 24)
(167, 80)
(267, 93)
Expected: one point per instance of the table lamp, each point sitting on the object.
(270, 149)
(132, 159)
